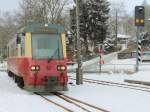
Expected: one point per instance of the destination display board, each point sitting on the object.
(45, 30)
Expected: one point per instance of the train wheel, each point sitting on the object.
(20, 82)
(10, 74)
(16, 79)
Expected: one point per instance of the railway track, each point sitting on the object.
(115, 84)
(80, 103)
(52, 102)
(86, 107)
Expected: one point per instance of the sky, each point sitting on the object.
(10, 5)
(130, 4)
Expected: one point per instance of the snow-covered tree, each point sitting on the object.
(93, 22)
(97, 19)
(8, 28)
(146, 40)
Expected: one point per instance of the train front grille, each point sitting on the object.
(53, 80)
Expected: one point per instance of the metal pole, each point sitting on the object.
(100, 63)
(137, 50)
(137, 63)
(79, 75)
(116, 30)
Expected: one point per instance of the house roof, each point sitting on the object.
(123, 36)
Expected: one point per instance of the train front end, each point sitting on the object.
(44, 66)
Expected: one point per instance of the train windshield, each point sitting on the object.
(46, 46)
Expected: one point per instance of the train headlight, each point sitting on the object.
(35, 68)
(61, 68)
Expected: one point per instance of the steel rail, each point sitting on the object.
(50, 101)
(134, 87)
(118, 83)
(81, 102)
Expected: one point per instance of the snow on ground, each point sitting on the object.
(14, 99)
(123, 61)
(141, 76)
(3, 65)
(94, 62)
(105, 77)
(114, 99)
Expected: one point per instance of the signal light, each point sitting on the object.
(142, 21)
(139, 15)
(137, 21)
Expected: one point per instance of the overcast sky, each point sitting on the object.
(9, 5)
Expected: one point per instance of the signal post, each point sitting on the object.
(139, 22)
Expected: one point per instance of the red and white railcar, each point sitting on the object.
(37, 58)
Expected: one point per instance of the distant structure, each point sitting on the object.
(123, 39)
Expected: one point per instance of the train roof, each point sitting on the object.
(35, 27)
(41, 27)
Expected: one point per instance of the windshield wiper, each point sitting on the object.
(51, 57)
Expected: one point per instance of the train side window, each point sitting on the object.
(18, 39)
(23, 44)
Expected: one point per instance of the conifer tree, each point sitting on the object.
(93, 21)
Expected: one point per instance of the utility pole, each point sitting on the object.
(79, 74)
(116, 30)
(100, 56)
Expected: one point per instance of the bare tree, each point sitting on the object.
(128, 25)
(55, 8)
(46, 11)
(8, 28)
(25, 13)
(116, 13)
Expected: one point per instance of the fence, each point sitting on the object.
(126, 55)
(114, 68)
